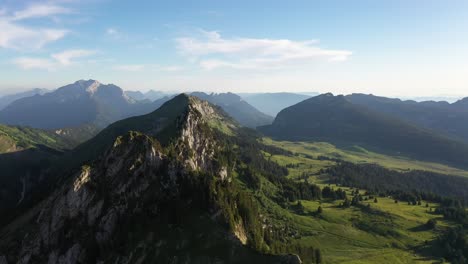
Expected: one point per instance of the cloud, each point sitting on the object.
(35, 63)
(213, 51)
(16, 35)
(65, 58)
(55, 62)
(112, 31)
(115, 34)
(40, 10)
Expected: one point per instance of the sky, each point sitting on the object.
(394, 48)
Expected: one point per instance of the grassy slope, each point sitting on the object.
(356, 155)
(336, 231)
(342, 241)
(13, 137)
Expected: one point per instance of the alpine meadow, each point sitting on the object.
(207, 131)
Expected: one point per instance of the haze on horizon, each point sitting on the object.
(391, 48)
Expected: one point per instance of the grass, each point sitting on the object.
(13, 137)
(336, 231)
(388, 233)
(355, 155)
(221, 126)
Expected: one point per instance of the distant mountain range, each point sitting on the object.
(149, 95)
(81, 103)
(273, 103)
(443, 117)
(91, 103)
(335, 119)
(8, 99)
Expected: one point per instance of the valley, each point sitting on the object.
(384, 232)
(188, 171)
(233, 132)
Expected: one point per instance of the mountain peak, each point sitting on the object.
(85, 83)
(93, 87)
(327, 98)
(235, 106)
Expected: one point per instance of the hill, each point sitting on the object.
(236, 107)
(445, 118)
(73, 105)
(334, 119)
(273, 103)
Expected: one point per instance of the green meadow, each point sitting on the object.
(373, 232)
(356, 155)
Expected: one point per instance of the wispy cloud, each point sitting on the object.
(55, 62)
(115, 33)
(27, 63)
(213, 51)
(112, 31)
(40, 10)
(16, 35)
(66, 57)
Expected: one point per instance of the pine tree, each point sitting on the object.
(319, 210)
(318, 256)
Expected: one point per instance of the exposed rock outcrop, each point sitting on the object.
(140, 202)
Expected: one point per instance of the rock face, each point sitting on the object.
(94, 202)
(236, 107)
(139, 202)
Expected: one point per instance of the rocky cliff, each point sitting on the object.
(142, 201)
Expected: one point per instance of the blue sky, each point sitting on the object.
(393, 48)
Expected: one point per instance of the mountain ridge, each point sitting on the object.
(442, 117)
(170, 176)
(333, 118)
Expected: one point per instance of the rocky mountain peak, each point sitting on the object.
(92, 88)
